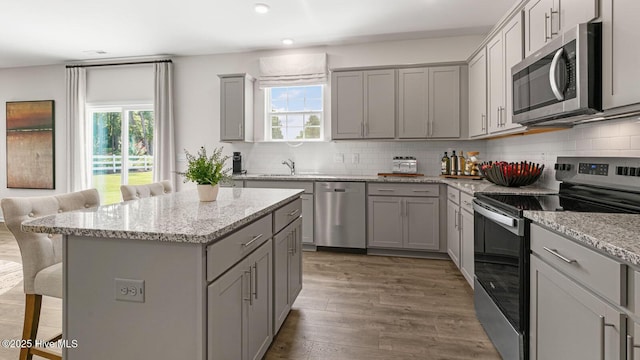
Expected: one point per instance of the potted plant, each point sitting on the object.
(206, 171)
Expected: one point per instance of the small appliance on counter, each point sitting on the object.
(405, 165)
(237, 163)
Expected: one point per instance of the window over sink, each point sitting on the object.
(294, 113)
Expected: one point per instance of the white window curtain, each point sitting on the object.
(164, 145)
(78, 154)
(296, 70)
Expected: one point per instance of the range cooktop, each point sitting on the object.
(557, 202)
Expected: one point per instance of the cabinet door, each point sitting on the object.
(281, 269)
(380, 104)
(633, 346)
(466, 246)
(421, 218)
(385, 222)
(621, 55)
(347, 98)
(413, 102)
(307, 218)
(260, 307)
(495, 83)
(295, 259)
(228, 306)
(444, 102)
(478, 95)
(567, 321)
(574, 12)
(453, 232)
(513, 54)
(537, 14)
(232, 109)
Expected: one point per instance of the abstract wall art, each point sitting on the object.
(30, 145)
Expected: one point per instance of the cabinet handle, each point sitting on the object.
(293, 212)
(546, 24)
(250, 298)
(252, 240)
(421, 191)
(603, 326)
(455, 219)
(255, 281)
(483, 118)
(559, 256)
(366, 130)
(387, 190)
(460, 220)
(362, 129)
(295, 240)
(240, 130)
(551, 12)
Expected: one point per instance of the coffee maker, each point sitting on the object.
(237, 163)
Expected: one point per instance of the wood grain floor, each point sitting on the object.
(351, 307)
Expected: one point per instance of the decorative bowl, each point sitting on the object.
(512, 174)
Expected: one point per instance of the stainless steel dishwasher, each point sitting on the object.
(340, 212)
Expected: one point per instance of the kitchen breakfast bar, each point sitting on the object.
(170, 277)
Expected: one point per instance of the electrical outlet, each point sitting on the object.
(355, 158)
(129, 290)
(338, 158)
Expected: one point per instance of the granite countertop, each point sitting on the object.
(469, 186)
(613, 234)
(176, 217)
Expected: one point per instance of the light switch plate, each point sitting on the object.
(355, 158)
(339, 158)
(129, 290)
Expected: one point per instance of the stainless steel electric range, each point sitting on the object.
(501, 243)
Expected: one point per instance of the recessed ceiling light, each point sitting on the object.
(287, 41)
(261, 8)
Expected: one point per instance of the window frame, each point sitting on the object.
(268, 114)
(123, 109)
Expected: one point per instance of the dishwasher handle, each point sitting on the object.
(339, 190)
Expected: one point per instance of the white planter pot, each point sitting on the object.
(208, 192)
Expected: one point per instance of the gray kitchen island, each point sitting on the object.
(171, 277)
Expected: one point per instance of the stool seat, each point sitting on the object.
(48, 281)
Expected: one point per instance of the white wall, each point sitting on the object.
(35, 83)
(609, 138)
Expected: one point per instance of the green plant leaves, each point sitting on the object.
(203, 169)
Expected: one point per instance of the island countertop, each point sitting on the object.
(176, 217)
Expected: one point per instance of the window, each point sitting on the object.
(122, 148)
(294, 113)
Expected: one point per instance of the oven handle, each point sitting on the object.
(499, 218)
(509, 223)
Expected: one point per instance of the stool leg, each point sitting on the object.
(33, 304)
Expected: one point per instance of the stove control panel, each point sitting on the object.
(593, 169)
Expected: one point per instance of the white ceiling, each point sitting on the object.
(35, 32)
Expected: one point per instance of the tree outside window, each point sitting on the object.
(295, 113)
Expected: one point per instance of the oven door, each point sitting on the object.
(501, 260)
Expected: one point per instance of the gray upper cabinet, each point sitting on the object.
(236, 107)
(413, 105)
(478, 95)
(546, 19)
(444, 102)
(429, 102)
(363, 104)
(621, 55)
(503, 51)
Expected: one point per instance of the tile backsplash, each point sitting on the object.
(348, 157)
(606, 138)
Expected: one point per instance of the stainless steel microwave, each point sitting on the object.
(561, 80)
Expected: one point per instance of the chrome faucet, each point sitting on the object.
(291, 164)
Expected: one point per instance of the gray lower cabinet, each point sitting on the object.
(466, 245)
(569, 322)
(240, 308)
(287, 271)
(403, 222)
(577, 300)
(453, 232)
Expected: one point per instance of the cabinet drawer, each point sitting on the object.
(276, 184)
(596, 271)
(404, 189)
(286, 214)
(228, 251)
(466, 202)
(453, 194)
